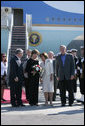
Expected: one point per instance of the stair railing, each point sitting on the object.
(28, 28)
(10, 26)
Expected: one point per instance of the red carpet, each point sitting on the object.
(7, 96)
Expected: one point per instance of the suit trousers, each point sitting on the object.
(74, 83)
(27, 88)
(16, 92)
(63, 86)
(82, 86)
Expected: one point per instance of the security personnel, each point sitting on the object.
(69, 51)
(55, 81)
(74, 81)
(80, 68)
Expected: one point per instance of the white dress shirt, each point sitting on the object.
(3, 68)
(18, 61)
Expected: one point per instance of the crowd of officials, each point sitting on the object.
(58, 71)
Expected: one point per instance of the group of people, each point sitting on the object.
(63, 69)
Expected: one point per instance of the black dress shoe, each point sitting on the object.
(36, 104)
(63, 105)
(70, 104)
(22, 105)
(31, 104)
(14, 106)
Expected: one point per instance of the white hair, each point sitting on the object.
(63, 46)
(19, 50)
(29, 50)
(51, 52)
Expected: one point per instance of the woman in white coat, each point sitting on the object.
(47, 77)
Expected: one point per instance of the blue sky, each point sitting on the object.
(70, 6)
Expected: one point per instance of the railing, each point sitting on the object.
(10, 25)
(28, 28)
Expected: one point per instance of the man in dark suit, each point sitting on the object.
(26, 83)
(80, 73)
(16, 78)
(74, 81)
(65, 73)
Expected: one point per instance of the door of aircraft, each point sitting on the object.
(18, 17)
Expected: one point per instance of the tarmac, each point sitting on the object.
(44, 115)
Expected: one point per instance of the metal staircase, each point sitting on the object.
(18, 38)
(18, 41)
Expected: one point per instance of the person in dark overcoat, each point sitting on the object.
(16, 79)
(26, 84)
(74, 81)
(65, 73)
(80, 72)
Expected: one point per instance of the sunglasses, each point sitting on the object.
(4, 56)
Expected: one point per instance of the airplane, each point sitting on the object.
(50, 26)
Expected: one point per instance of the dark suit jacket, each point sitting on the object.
(68, 69)
(54, 67)
(15, 71)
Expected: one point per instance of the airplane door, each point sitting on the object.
(18, 17)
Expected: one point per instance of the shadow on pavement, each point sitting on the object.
(71, 112)
(5, 109)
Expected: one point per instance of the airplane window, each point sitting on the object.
(58, 19)
(64, 19)
(75, 19)
(53, 19)
(47, 19)
(69, 19)
(80, 19)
